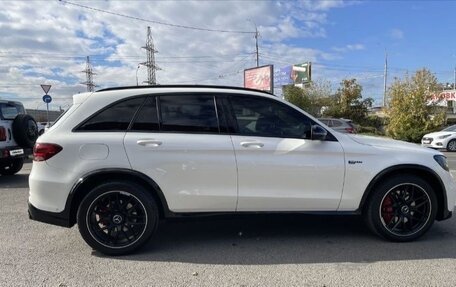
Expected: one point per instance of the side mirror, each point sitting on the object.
(318, 133)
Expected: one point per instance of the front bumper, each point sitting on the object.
(60, 219)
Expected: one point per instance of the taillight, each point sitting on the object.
(349, 130)
(44, 151)
(2, 134)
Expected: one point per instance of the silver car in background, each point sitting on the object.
(340, 125)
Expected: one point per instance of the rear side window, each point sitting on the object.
(114, 118)
(10, 111)
(336, 123)
(188, 113)
(147, 117)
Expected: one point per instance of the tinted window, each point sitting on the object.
(113, 118)
(10, 111)
(336, 123)
(188, 113)
(147, 118)
(257, 116)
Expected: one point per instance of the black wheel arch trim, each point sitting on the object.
(442, 213)
(71, 210)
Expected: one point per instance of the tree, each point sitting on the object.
(348, 102)
(411, 114)
(311, 98)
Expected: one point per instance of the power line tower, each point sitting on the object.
(89, 79)
(152, 68)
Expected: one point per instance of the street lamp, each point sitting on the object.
(137, 69)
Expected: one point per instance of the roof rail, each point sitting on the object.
(180, 86)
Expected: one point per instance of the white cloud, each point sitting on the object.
(47, 42)
(397, 34)
(349, 48)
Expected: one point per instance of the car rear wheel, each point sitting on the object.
(451, 146)
(117, 218)
(403, 208)
(12, 167)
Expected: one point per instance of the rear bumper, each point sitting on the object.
(60, 219)
(14, 152)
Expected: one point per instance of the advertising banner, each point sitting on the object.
(259, 78)
(442, 98)
(298, 75)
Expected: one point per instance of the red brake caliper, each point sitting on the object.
(387, 209)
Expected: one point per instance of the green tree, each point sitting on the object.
(410, 112)
(311, 98)
(348, 102)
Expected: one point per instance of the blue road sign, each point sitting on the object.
(47, 99)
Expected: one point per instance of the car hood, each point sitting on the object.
(389, 143)
(436, 134)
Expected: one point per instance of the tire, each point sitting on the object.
(402, 208)
(25, 130)
(12, 167)
(117, 218)
(451, 146)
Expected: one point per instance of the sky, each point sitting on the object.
(212, 42)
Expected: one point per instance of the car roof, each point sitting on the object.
(182, 86)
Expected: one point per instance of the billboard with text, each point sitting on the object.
(298, 75)
(259, 78)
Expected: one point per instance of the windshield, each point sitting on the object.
(450, 129)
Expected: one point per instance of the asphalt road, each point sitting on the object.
(279, 250)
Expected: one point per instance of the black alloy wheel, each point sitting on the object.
(405, 209)
(117, 218)
(12, 167)
(402, 208)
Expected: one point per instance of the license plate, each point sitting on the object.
(426, 141)
(15, 152)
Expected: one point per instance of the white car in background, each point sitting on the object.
(443, 139)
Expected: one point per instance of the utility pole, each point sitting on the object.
(150, 64)
(89, 79)
(256, 46)
(385, 76)
(454, 83)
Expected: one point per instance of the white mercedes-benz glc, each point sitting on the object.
(121, 159)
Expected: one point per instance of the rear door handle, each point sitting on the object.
(149, 142)
(248, 144)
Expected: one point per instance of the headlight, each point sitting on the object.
(443, 137)
(442, 161)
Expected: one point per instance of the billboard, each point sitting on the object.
(259, 78)
(298, 75)
(442, 98)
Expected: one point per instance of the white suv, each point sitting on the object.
(121, 159)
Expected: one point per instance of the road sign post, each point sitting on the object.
(47, 99)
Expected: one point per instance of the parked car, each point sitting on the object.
(340, 125)
(18, 133)
(121, 159)
(445, 138)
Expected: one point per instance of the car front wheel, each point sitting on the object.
(451, 146)
(403, 208)
(117, 218)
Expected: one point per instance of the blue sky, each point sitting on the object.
(46, 42)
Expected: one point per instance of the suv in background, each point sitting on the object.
(18, 133)
(121, 159)
(340, 125)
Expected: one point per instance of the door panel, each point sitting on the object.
(195, 172)
(279, 167)
(289, 174)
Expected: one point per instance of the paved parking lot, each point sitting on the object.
(279, 250)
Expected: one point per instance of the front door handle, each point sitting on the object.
(252, 144)
(149, 142)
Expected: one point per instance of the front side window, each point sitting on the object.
(256, 116)
(114, 118)
(188, 113)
